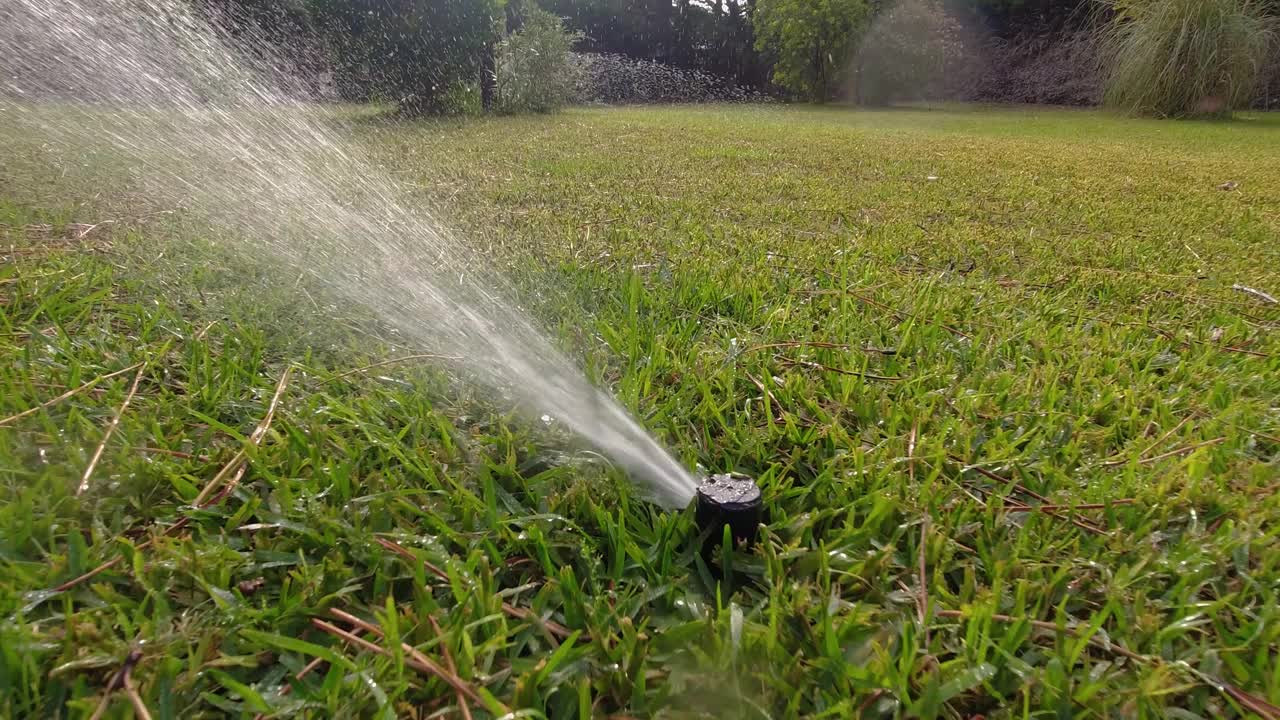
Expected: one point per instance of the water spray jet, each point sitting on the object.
(203, 126)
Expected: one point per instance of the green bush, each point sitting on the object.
(535, 71)
(810, 42)
(914, 50)
(1180, 58)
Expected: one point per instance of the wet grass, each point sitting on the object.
(1017, 431)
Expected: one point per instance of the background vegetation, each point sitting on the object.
(1161, 57)
(913, 50)
(535, 71)
(1187, 57)
(810, 43)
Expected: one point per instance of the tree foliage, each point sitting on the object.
(1167, 57)
(811, 42)
(432, 55)
(534, 70)
(416, 53)
(914, 50)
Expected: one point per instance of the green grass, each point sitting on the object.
(1050, 290)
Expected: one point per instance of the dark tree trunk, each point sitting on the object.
(488, 78)
(819, 75)
(515, 15)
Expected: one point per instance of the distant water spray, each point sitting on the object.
(617, 79)
(211, 130)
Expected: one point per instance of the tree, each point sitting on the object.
(636, 28)
(419, 54)
(811, 41)
(914, 50)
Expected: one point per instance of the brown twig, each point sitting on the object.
(139, 707)
(815, 344)
(67, 394)
(1173, 338)
(826, 368)
(1019, 507)
(992, 476)
(416, 660)
(768, 396)
(1255, 433)
(1240, 350)
(1165, 436)
(1149, 448)
(553, 628)
(425, 356)
(1054, 628)
(122, 679)
(871, 700)
(239, 462)
(174, 453)
(1182, 450)
(236, 468)
(306, 670)
(111, 428)
(922, 598)
(89, 575)
(91, 391)
(365, 644)
(1086, 506)
(902, 315)
(452, 678)
(1148, 273)
(205, 330)
(81, 235)
(463, 705)
(1250, 702)
(407, 555)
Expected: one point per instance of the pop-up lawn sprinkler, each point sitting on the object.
(732, 500)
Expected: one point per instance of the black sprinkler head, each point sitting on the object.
(731, 499)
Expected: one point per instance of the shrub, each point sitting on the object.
(914, 50)
(535, 69)
(809, 41)
(1177, 58)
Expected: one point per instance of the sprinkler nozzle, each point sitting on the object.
(731, 499)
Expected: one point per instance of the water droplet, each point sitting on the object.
(35, 598)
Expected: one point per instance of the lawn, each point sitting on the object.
(1010, 381)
